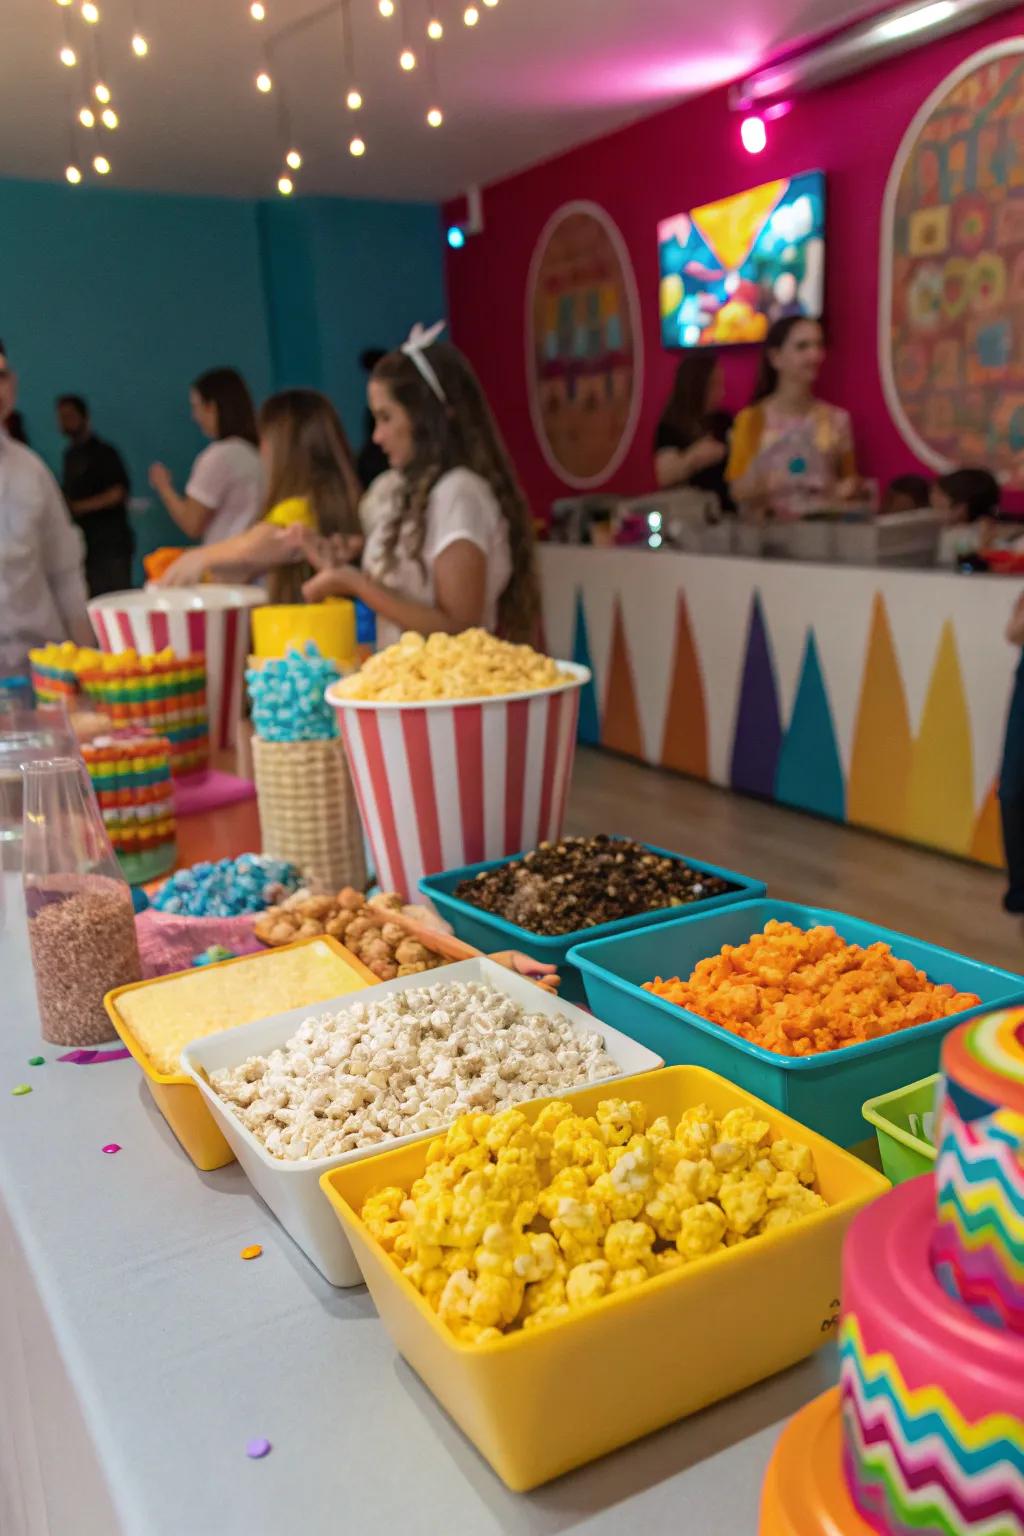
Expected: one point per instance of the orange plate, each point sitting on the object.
(804, 1488)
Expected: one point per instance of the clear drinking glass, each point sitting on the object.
(81, 923)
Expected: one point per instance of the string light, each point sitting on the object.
(101, 92)
(353, 101)
(90, 12)
(293, 158)
(435, 117)
(139, 46)
(357, 148)
(87, 117)
(264, 82)
(68, 56)
(285, 186)
(435, 30)
(109, 118)
(491, 3)
(471, 15)
(72, 174)
(258, 10)
(63, 2)
(386, 8)
(407, 59)
(101, 165)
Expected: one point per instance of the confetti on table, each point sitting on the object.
(37, 1061)
(21, 1089)
(112, 1146)
(85, 1058)
(252, 1252)
(256, 1449)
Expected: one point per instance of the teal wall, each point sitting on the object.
(125, 296)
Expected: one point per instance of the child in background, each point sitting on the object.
(906, 493)
(968, 501)
(1011, 774)
(312, 484)
(449, 537)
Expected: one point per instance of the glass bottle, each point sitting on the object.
(81, 923)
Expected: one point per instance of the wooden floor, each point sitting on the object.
(801, 858)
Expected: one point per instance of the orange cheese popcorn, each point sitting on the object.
(800, 992)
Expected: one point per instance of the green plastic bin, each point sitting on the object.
(904, 1155)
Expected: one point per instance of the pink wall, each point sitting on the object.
(679, 159)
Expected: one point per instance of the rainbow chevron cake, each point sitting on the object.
(925, 1434)
(932, 1338)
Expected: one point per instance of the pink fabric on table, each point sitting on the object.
(169, 942)
(201, 793)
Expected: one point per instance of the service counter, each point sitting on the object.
(869, 694)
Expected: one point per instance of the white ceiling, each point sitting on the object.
(533, 78)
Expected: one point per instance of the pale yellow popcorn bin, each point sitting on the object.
(452, 782)
(174, 1093)
(538, 1403)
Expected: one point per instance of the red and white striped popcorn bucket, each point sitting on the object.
(212, 619)
(455, 782)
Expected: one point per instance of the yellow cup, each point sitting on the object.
(331, 625)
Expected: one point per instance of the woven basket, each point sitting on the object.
(308, 810)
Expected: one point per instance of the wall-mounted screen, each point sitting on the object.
(732, 267)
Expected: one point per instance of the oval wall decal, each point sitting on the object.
(584, 358)
(951, 307)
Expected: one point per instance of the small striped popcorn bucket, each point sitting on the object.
(213, 619)
(458, 781)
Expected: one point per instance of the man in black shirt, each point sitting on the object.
(96, 487)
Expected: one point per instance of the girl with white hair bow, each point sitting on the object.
(450, 543)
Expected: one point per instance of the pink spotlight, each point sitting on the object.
(753, 135)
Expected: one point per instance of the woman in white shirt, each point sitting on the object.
(224, 494)
(449, 544)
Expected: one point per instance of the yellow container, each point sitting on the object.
(332, 625)
(539, 1403)
(175, 1094)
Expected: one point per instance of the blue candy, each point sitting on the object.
(287, 697)
(226, 889)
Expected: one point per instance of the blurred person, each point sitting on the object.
(906, 493)
(224, 492)
(42, 580)
(96, 488)
(13, 422)
(450, 544)
(311, 484)
(968, 501)
(791, 453)
(1011, 772)
(372, 460)
(691, 442)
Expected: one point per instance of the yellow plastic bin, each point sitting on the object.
(536, 1404)
(331, 626)
(174, 1093)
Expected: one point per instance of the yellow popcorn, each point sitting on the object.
(619, 1121)
(471, 665)
(696, 1132)
(587, 1283)
(381, 1214)
(514, 1225)
(793, 1159)
(701, 1230)
(744, 1200)
(627, 1244)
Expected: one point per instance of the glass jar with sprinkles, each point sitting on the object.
(81, 922)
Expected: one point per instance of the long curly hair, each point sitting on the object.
(459, 432)
(309, 457)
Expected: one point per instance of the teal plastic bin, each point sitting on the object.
(826, 1091)
(904, 1155)
(487, 931)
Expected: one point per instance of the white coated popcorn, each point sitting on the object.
(410, 1061)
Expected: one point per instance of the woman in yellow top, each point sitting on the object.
(791, 453)
(311, 482)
